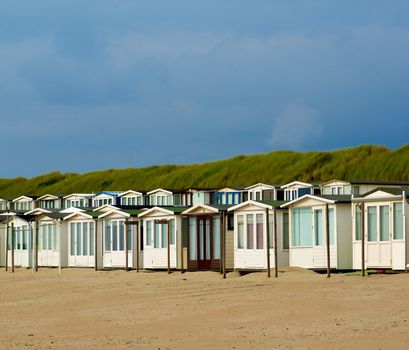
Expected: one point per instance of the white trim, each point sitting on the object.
(310, 196)
(106, 206)
(159, 190)
(295, 183)
(130, 192)
(40, 210)
(87, 216)
(53, 197)
(162, 210)
(22, 197)
(204, 206)
(71, 210)
(260, 184)
(115, 211)
(83, 195)
(250, 202)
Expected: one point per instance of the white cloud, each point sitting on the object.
(296, 126)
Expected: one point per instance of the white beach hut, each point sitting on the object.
(252, 221)
(312, 218)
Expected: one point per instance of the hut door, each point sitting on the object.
(204, 243)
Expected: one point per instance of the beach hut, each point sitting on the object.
(312, 219)
(228, 196)
(52, 233)
(132, 198)
(83, 243)
(18, 249)
(50, 201)
(263, 192)
(297, 189)
(161, 197)
(162, 237)
(78, 200)
(254, 230)
(385, 221)
(24, 203)
(357, 188)
(121, 236)
(203, 236)
(106, 197)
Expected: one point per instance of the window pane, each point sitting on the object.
(25, 237)
(372, 236)
(79, 245)
(129, 236)
(384, 223)
(44, 237)
(85, 238)
(331, 218)
(397, 221)
(108, 236)
(91, 238)
(164, 232)
(121, 235)
(148, 233)
(114, 235)
(250, 231)
(216, 237)
(156, 235)
(286, 232)
(172, 231)
(56, 237)
(240, 232)
(318, 227)
(50, 236)
(192, 239)
(259, 221)
(358, 223)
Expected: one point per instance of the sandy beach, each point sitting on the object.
(83, 309)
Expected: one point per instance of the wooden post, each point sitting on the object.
(221, 241)
(224, 245)
(268, 244)
(168, 246)
(275, 243)
(12, 247)
(59, 245)
(327, 239)
(137, 246)
(181, 244)
(36, 245)
(96, 246)
(126, 245)
(363, 238)
(7, 244)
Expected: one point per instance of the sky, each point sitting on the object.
(97, 84)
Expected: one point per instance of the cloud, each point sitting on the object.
(296, 126)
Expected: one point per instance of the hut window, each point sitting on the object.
(172, 231)
(318, 227)
(192, 239)
(25, 237)
(114, 235)
(216, 237)
(331, 218)
(358, 223)
(384, 222)
(85, 238)
(397, 221)
(164, 238)
(121, 235)
(259, 222)
(156, 235)
(108, 236)
(78, 238)
(148, 233)
(91, 238)
(56, 237)
(50, 236)
(250, 231)
(286, 232)
(72, 238)
(301, 227)
(129, 235)
(372, 236)
(270, 230)
(240, 232)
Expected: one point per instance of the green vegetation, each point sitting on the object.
(358, 163)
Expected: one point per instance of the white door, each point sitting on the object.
(378, 252)
(82, 242)
(114, 255)
(318, 238)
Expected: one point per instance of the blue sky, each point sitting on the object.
(96, 84)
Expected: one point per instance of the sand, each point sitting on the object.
(83, 309)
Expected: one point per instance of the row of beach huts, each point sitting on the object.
(337, 225)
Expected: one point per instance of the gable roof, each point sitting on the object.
(297, 183)
(200, 209)
(33, 198)
(84, 195)
(160, 190)
(328, 199)
(261, 184)
(139, 193)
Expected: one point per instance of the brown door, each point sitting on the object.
(204, 243)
